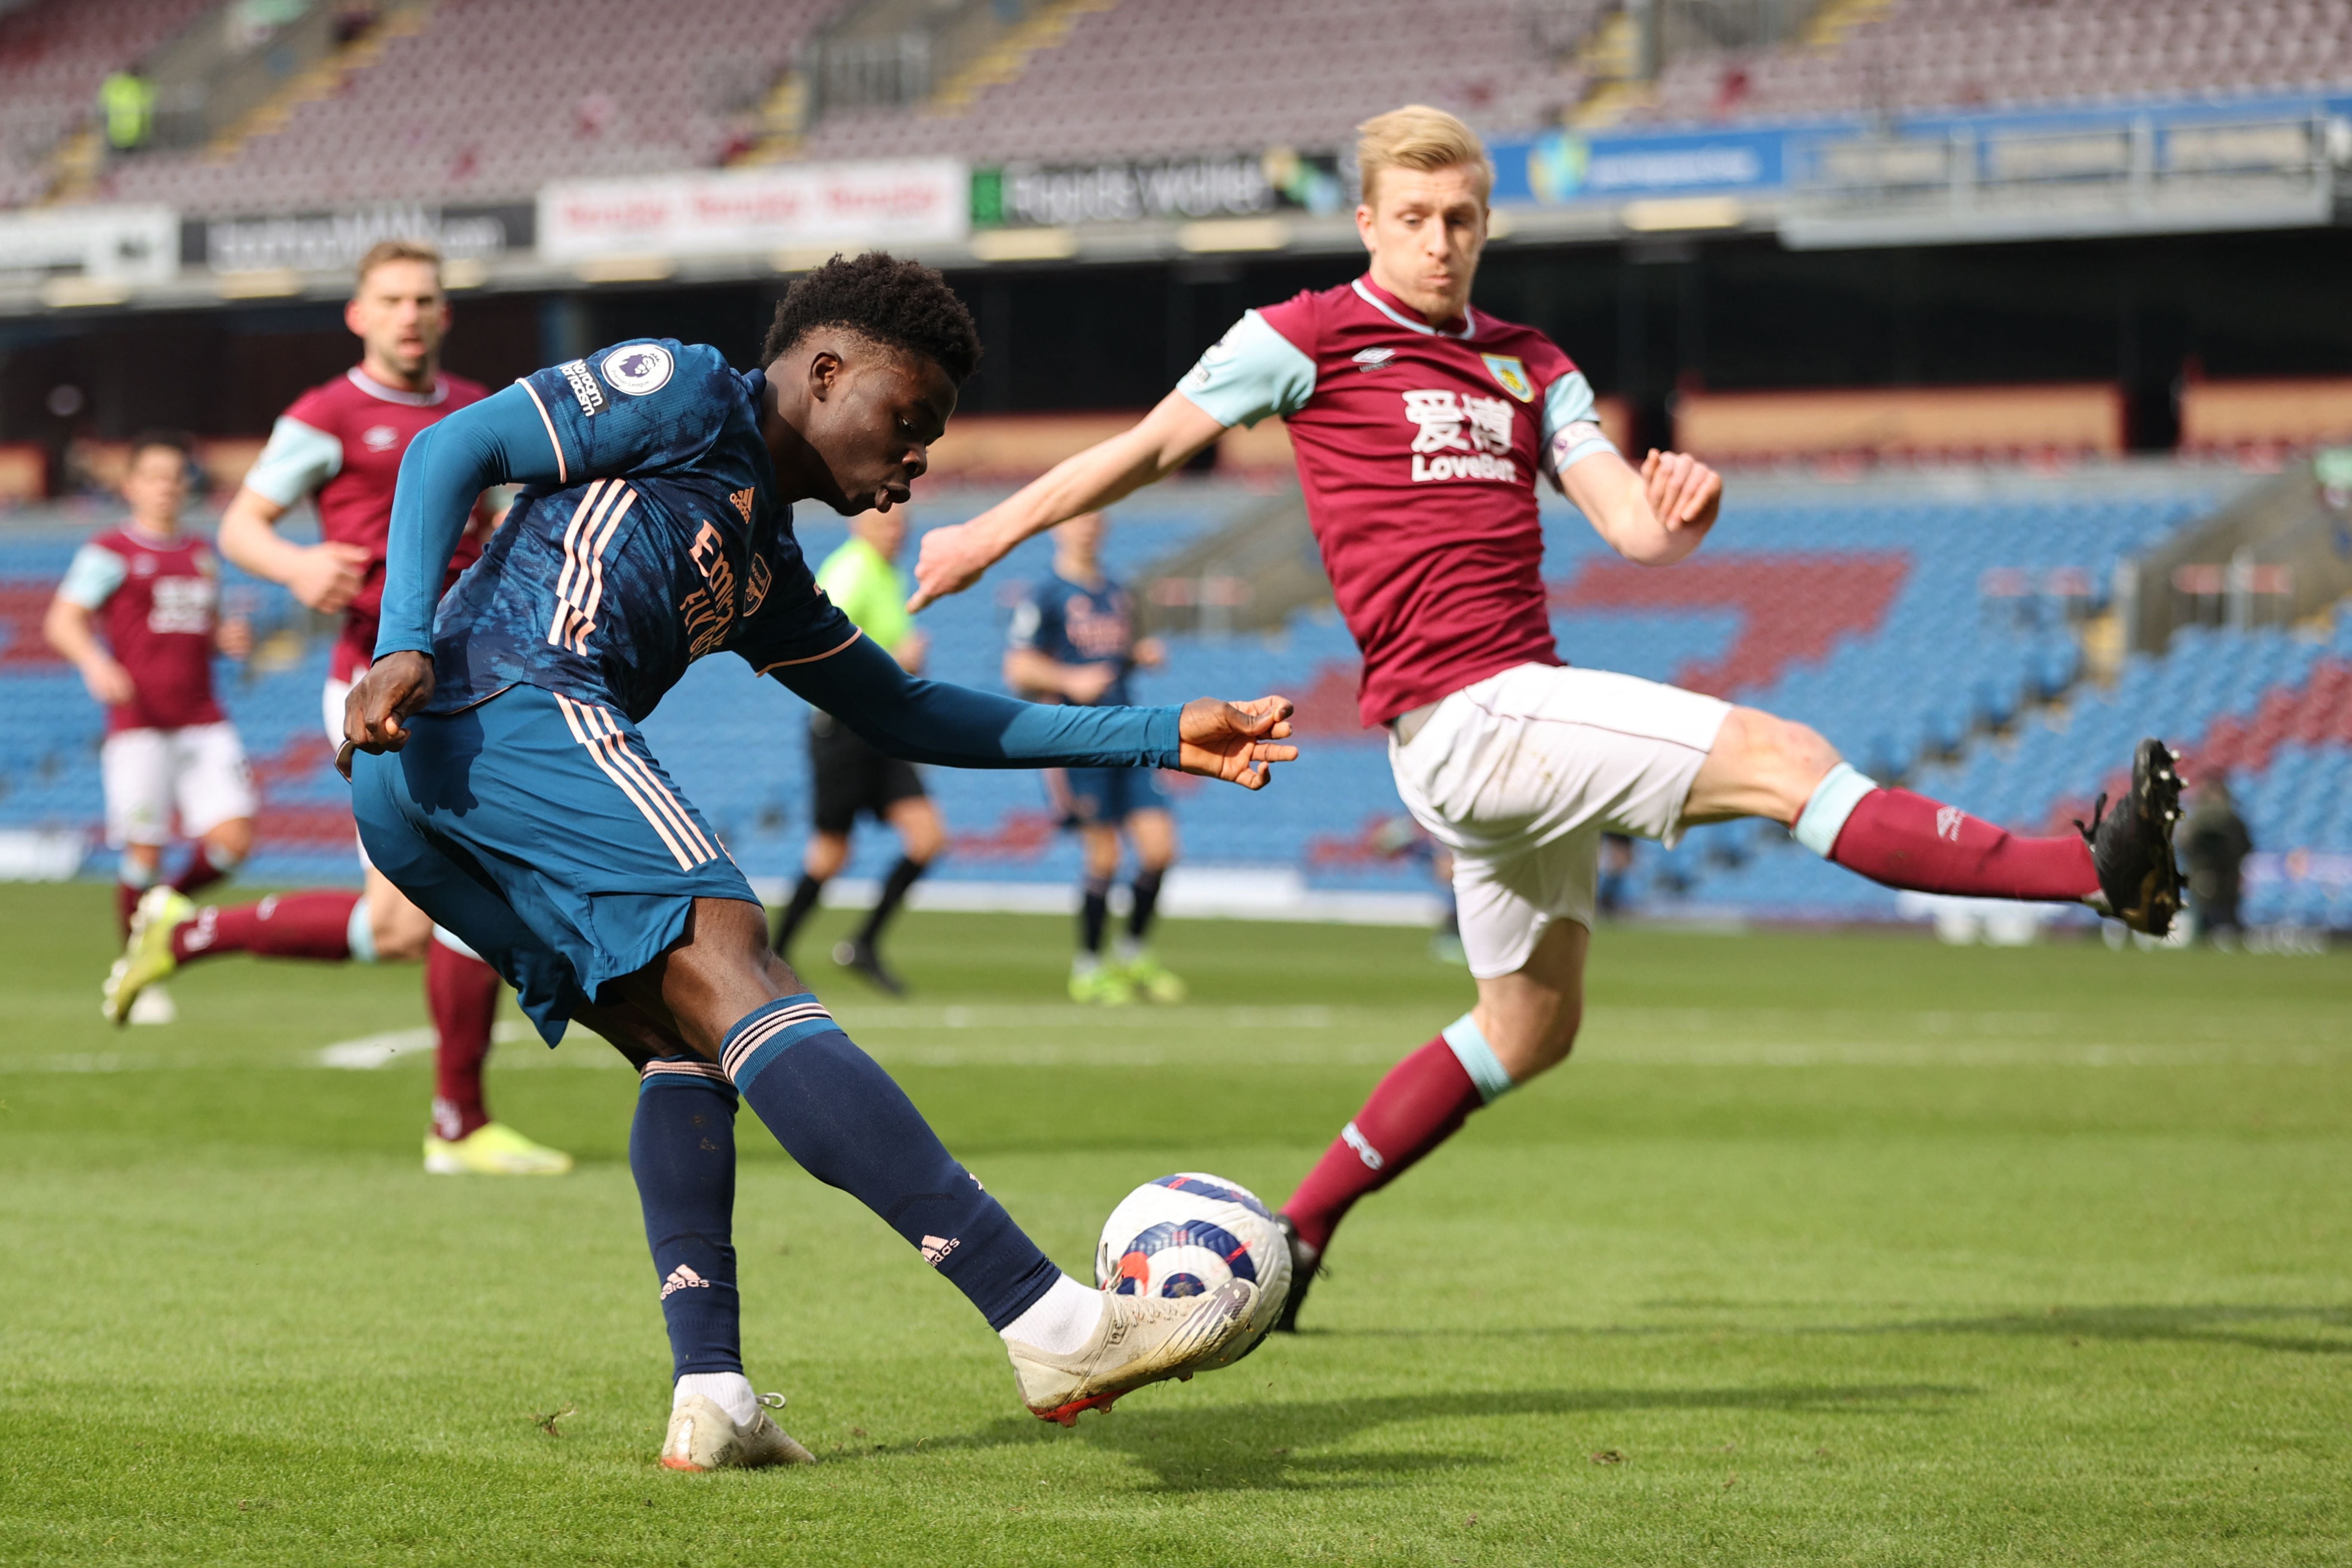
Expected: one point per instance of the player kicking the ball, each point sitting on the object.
(508, 790)
(1421, 424)
(339, 446)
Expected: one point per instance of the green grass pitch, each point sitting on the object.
(1823, 1249)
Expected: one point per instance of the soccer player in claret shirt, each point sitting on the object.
(139, 614)
(1421, 425)
(340, 445)
(508, 791)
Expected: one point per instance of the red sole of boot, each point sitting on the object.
(1067, 1414)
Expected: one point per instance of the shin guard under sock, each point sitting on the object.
(291, 925)
(682, 1152)
(1421, 1102)
(461, 993)
(1904, 840)
(837, 1112)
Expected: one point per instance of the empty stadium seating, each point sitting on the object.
(1926, 637)
(53, 54)
(1939, 54)
(493, 98)
(1143, 80)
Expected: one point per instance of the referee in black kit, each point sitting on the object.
(850, 776)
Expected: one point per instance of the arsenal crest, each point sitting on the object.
(1511, 376)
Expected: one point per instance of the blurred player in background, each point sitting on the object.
(340, 445)
(1421, 425)
(848, 775)
(1073, 641)
(139, 614)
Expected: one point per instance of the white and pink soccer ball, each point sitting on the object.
(1187, 1234)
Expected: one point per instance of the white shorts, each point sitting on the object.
(331, 710)
(1520, 775)
(200, 768)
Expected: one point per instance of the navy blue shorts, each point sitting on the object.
(539, 829)
(1084, 795)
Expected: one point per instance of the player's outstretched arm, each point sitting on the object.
(1167, 439)
(1656, 515)
(934, 721)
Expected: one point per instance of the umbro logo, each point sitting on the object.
(1373, 359)
(937, 1247)
(683, 1279)
(1363, 1146)
(1948, 822)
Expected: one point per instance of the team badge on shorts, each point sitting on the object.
(1511, 376)
(639, 368)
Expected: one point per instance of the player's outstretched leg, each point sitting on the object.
(2123, 861)
(682, 1152)
(168, 930)
(850, 1126)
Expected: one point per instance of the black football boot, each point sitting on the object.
(2132, 845)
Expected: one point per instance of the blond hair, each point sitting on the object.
(1423, 139)
(384, 252)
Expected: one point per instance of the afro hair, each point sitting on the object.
(902, 304)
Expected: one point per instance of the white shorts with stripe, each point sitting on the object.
(1521, 773)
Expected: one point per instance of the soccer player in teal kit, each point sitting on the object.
(508, 791)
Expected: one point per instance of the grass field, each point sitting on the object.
(1824, 1249)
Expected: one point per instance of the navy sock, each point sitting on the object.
(837, 1112)
(682, 1151)
(804, 898)
(1147, 900)
(1093, 914)
(903, 875)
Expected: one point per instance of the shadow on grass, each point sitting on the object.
(2207, 1323)
(1225, 1447)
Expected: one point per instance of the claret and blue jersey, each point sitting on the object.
(651, 536)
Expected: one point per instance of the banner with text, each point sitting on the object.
(1122, 189)
(913, 201)
(334, 240)
(123, 245)
(1563, 166)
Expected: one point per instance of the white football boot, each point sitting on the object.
(1140, 1339)
(702, 1436)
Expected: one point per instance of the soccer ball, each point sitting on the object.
(1187, 1234)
